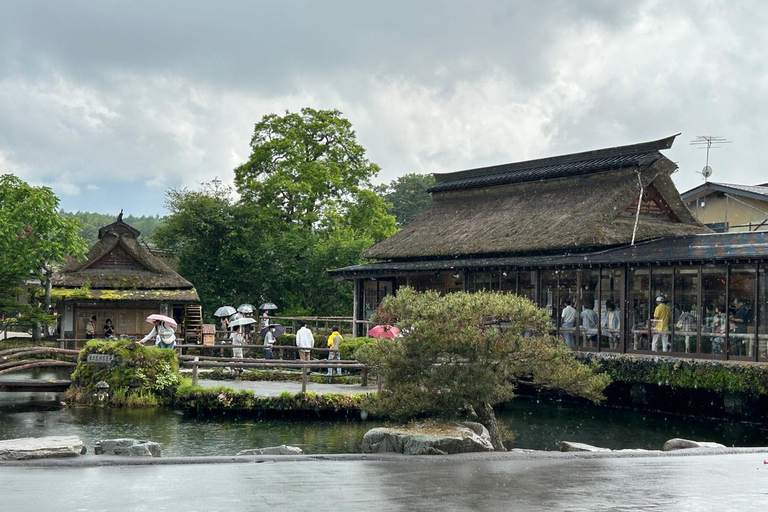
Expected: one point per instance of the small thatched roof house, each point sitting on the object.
(574, 202)
(121, 280)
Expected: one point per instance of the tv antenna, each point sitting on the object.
(708, 142)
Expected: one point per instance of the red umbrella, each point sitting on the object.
(384, 331)
(168, 320)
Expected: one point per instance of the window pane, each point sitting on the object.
(612, 294)
(548, 298)
(639, 310)
(664, 314)
(686, 295)
(527, 287)
(589, 313)
(741, 314)
(714, 320)
(508, 281)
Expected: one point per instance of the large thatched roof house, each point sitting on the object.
(122, 280)
(603, 227)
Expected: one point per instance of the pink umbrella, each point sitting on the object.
(384, 331)
(168, 320)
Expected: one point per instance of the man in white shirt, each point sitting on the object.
(304, 340)
(569, 316)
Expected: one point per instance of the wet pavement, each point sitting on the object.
(274, 388)
(548, 481)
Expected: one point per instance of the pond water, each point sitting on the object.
(539, 425)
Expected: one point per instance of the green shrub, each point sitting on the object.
(348, 346)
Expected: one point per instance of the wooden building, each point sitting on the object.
(726, 207)
(577, 227)
(120, 280)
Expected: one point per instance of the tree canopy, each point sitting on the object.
(91, 222)
(305, 206)
(34, 237)
(408, 196)
(462, 353)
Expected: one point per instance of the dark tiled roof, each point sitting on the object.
(636, 155)
(714, 247)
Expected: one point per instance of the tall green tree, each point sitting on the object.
(462, 353)
(91, 222)
(34, 238)
(408, 196)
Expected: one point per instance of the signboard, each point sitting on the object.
(100, 358)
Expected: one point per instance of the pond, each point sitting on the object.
(539, 425)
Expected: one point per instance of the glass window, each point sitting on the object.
(373, 293)
(589, 308)
(477, 281)
(611, 300)
(548, 298)
(638, 309)
(664, 314)
(685, 301)
(527, 284)
(741, 313)
(713, 321)
(508, 281)
(762, 313)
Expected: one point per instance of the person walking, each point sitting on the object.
(164, 335)
(304, 340)
(333, 343)
(269, 340)
(661, 317)
(237, 340)
(568, 316)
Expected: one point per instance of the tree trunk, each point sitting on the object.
(487, 417)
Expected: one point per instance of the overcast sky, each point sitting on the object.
(110, 103)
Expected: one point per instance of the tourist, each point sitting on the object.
(686, 324)
(90, 328)
(304, 340)
(589, 322)
(739, 317)
(269, 340)
(661, 317)
(612, 324)
(164, 335)
(333, 343)
(568, 316)
(237, 340)
(265, 318)
(109, 329)
(225, 326)
(248, 328)
(718, 326)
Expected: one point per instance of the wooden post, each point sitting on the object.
(304, 378)
(194, 371)
(364, 376)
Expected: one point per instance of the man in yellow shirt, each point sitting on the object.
(661, 317)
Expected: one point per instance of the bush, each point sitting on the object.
(349, 346)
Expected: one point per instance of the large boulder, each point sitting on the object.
(41, 448)
(430, 439)
(274, 450)
(568, 446)
(127, 448)
(683, 444)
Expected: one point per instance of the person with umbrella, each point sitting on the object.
(162, 331)
(269, 340)
(224, 313)
(237, 340)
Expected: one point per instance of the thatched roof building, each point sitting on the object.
(574, 202)
(122, 280)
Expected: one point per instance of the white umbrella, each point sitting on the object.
(246, 308)
(235, 317)
(242, 321)
(225, 311)
(267, 305)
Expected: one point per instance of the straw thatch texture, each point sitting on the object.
(564, 214)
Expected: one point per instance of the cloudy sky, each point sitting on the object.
(110, 103)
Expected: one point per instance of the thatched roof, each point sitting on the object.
(119, 262)
(569, 203)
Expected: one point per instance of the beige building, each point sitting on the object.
(726, 207)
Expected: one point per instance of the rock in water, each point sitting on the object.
(274, 450)
(463, 437)
(127, 448)
(568, 446)
(41, 448)
(682, 444)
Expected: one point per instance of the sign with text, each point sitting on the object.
(100, 358)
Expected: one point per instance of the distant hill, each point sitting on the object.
(92, 222)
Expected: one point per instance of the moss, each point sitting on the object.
(138, 376)
(59, 294)
(720, 376)
(224, 399)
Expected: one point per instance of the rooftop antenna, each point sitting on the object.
(708, 142)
